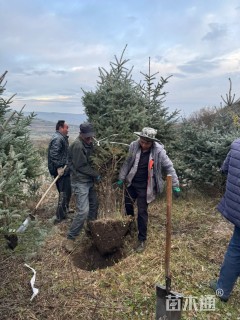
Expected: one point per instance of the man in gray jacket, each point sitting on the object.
(83, 177)
(57, 160)
(143, 173)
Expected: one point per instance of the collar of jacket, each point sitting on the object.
(84, 143)
(65, 137)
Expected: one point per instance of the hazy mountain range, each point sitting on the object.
(70, 118)
(44, 124)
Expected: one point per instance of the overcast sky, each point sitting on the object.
(53, 48)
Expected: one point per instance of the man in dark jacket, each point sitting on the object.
(83, 177)
(57, 159)
(143, 172)
(229, 206)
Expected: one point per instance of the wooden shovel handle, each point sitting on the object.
(168, 226)
(46, 192)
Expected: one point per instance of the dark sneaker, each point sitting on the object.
(218, 291)
(141, 245)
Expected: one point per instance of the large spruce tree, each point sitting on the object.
(117, 109)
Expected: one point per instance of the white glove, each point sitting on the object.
(60, 171)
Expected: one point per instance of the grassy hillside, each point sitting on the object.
(72, 288)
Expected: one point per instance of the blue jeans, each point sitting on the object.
(86, 206)
(230, 269)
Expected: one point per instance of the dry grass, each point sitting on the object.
(125, 290)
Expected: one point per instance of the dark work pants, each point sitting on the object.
(132, 194)
(230, 269)
(64, 188)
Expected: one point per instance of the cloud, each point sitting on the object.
(199, 66)
(217, 31)
(54, 48)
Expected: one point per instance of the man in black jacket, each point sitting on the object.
(58, 151)
(83, 177)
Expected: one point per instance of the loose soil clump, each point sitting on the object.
(108, 234)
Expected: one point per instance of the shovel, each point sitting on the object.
(169, 304)
(12, 238)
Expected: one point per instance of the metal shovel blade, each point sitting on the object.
(12, 240)
(169, 304)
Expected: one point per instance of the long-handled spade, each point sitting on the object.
(12, 239)
(168, 303)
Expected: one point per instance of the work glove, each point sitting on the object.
(98, 179)
(176, 191)
(119, 184)
(60, 171)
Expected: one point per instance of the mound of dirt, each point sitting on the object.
(108, 234)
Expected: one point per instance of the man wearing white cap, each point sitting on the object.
(143, 173)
